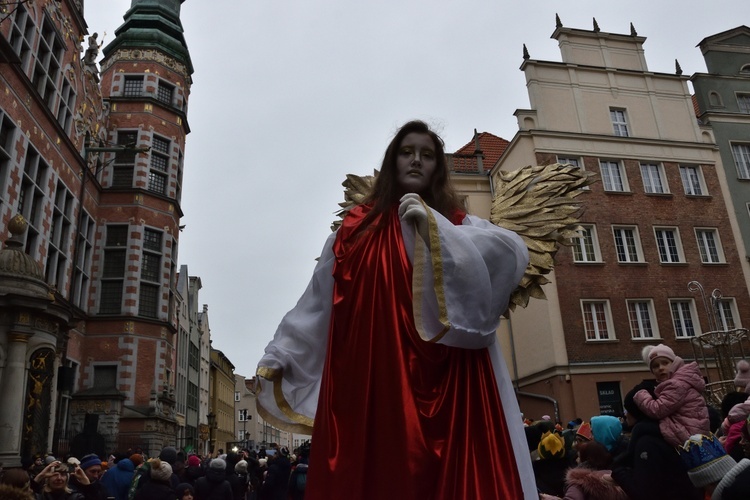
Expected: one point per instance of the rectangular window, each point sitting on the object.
(164, 93)
(157, 178)
(22, 35)
(124, 163)
(725, 314)
(741, 154)
(619, 122)
(7, 138)
(192, 396)
(150, 273)
(613, 176)
(236, 396)
(743, 102)
(113, 274)
(242, 415)
(194, 357)
(654, 181)
(596, 320)
(59, 241)
(31, 198)
(105, 376)
(82, 270)
(669, 245)
(692, 180)
(683, 318)
(627, 244)
(709, 246)
(48, 63)
(132, 86)
(66, 105)
(586, 248)
(641, 315)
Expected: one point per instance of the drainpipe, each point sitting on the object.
(546, 398)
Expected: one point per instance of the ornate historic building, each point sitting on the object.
(92, 160)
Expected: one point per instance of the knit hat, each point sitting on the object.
(606, 430)
(49, 459)
(182, 488)
(706, 460)
(743, 374)
(240, 467)
(218, 463)
(161, 471)
(584, 431)
(193, 461)
(137, 459)
(651, 352)
(168, 454)
(552, 445)
(73, 461)
(90, 460)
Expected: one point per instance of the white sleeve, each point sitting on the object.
(289, 373)
(463, 278)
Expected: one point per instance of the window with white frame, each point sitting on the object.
(236, 395)
(684, 318)
(59, 241)
(669, 244)
(569, 160)
(7, 138)
(654, 181)
(709, 245)
(31, 198)
(157, 176)
(113, 275)
(613, 176)
(132, 86)
(619, 122)
(48, 62)
(597, 320)
(726, 314)
(743, 102)
(124, 164)
(22, 35)
(642, 319)
(741, 154)
(627, 244)
(150, 287)
(586, 247)
(242, 415)
(165, 93)
(692, 180)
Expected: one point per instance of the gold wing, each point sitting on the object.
(356, 190)
(538, 203)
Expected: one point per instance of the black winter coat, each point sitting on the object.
(155, 490)
(213, 486)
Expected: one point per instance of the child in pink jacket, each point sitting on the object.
(679, 405)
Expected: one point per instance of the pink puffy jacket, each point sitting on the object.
(679, 405)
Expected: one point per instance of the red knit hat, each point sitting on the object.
(193, 461)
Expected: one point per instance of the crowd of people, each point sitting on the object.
(268, 474)
(670, 444)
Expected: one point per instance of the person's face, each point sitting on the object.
(416, 163)
(660, 368)
(630, 419)
(57, 481)
(94, 472)
(187, 496)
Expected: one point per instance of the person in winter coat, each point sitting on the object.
(679, 405)
(590, 481)
(159, 486)
(184, 491)
(651, 470)
(117, 479)
(277, 480)
(52, 483)
(214, 485)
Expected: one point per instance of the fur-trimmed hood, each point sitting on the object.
(591, 483)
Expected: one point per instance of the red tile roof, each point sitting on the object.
(464, 160)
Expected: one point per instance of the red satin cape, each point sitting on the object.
(399, 417)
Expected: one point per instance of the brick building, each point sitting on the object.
(657, 219)
(93, 162)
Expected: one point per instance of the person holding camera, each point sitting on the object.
(52, 483)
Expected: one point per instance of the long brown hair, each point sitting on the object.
(441, 196)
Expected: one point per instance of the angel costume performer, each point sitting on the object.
(392, 351)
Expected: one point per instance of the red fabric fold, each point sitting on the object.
(398, 416)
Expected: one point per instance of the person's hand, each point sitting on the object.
(46, 472)
(81, 476)
(413, 210)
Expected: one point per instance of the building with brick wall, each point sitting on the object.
(656, 220)
(92, 160)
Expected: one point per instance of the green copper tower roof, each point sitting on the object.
(153, 24)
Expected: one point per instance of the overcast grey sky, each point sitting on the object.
(290, 96)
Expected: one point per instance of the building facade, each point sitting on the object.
(221, 416)
(656, 221)
(92, 160)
